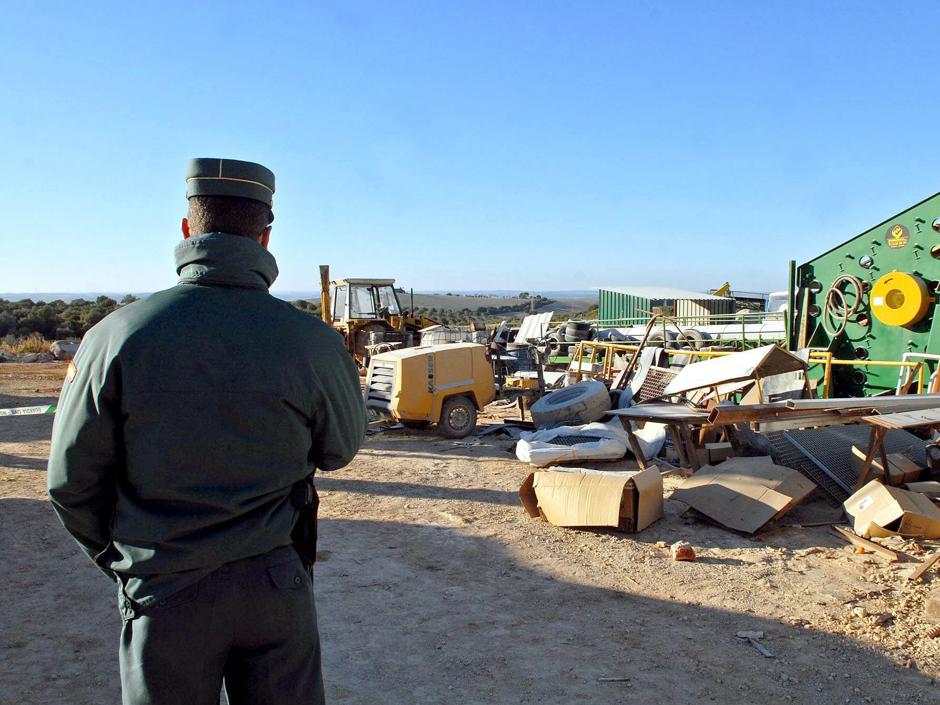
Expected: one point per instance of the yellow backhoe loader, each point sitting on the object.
(369, 315)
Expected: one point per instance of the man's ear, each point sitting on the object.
(264, 237)
(185, 228)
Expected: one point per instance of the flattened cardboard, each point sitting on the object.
(880, 511)
(931, 488)
(744, 494)
(629, 501)
(901, 469)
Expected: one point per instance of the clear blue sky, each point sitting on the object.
(471, 145)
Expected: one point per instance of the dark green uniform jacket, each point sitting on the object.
(190, 416)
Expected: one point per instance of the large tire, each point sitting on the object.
(578, 404)
(577, 331)
(458, 418)
(692, 338)
(656, 340)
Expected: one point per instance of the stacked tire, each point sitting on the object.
(576, 332)
(658, 340)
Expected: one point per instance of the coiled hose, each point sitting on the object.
(836, 306)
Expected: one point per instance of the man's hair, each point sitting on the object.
(228, 214)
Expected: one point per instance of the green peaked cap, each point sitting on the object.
(229, 177)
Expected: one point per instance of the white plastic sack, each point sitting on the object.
(651, 438)
(536, 447)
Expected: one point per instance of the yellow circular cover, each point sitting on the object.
(899, 299)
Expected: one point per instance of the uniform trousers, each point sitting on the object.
(250, 625)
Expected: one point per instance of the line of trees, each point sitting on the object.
(61, 320)
(54, 320)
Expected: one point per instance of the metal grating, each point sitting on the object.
(572, 440)
(785, 453)
(654, 384)
(832, 447)
(380, 386)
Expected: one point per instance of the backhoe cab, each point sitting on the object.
(369, 315)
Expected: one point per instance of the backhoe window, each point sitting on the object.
(387, 299)
(339, 304)
(361, 303)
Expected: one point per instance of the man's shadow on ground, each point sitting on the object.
(431, 614)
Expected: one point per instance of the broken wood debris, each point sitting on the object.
(919, 571)
(875, 548)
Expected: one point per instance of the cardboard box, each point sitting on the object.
(629, 501)
(718, 452)
(878, 511)
(904, 467)
(744, 494)
(901, 469)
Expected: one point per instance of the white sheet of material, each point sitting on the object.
(533, 327)
(734, 371)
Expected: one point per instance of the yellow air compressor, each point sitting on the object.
(442, 384)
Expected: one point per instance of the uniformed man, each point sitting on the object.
(185, 439)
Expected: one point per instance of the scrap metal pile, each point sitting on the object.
(750, 440)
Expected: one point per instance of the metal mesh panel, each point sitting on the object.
(832, 447)
(572, 440)
(785, 453)
(654, 384)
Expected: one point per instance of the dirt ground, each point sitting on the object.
(434, 586)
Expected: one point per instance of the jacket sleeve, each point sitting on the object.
(338, 423)
(87, 454)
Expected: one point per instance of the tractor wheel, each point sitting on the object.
(458, 418)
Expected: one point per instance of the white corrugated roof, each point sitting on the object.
(661, 292)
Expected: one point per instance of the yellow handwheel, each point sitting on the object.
(899, 299)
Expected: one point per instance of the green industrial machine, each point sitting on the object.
(872, 300)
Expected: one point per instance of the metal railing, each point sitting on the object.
(716, 319)
(588, 352)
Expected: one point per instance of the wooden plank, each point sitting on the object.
(634, 445)
(779, 411)
(751, 413)
(801, 340)
(875, 443)
(924, 567)
(878, 549)
(924, 418)
(686, 435)
(680, 448)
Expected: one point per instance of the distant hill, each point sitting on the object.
(474, 302)
(448, 306)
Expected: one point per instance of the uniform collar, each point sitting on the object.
(219, 259)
